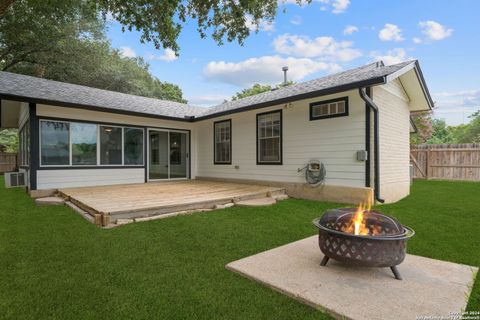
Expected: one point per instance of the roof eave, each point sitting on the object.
(415, 65)
(92, 108)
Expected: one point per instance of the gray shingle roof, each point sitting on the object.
(39, 89)
(361, 74)
(48, 91)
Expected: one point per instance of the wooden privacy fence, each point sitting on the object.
(8, 162)
(446, 161)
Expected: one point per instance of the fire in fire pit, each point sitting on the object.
(362, 237)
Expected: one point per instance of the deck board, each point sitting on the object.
(131, 198)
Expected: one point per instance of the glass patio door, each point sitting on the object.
(168, 155)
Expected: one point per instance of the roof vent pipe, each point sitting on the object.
(285, 69)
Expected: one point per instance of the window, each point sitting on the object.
(55, 143)
(110, 145)
(79, 144)
(176, 144)
(24, 145)
(223, 142)
(329, 108)
(133, 146)
(84, 143)
(269, 138)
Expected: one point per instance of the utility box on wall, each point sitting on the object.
(362, 155)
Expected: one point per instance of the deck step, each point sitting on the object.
(260, 202)
(80, 211)
(48, 201)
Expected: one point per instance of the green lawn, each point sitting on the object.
(54, 264)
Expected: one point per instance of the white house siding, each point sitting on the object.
(47, 179)
(394, 119)
(333, 141)
(53, 179)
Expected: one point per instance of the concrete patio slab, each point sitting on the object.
(430, 287)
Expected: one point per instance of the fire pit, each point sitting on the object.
(363, 238)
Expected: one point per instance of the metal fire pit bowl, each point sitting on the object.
(387, 248)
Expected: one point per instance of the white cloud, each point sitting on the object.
(390, 32)
(435, 31)
(265, 70)
(393, 56)
(207, 100)
(417, 40)
(168, 56)
(455, 107)
(261, 24)
(127, 52)
(335, 6)
(339, 6)
(296, 20)
(350, 30)
(321, 47)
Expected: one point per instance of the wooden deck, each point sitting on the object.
(147, 199)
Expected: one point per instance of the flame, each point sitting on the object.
(357, 224)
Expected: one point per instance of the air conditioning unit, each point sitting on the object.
(15, 179)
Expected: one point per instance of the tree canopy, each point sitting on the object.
(8, 140)
(161, 22)
(258, 88)
(66, 41)
(436, 131)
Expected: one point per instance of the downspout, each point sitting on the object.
(373, 106)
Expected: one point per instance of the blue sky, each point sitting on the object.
(327, 36)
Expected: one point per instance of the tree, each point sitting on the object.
(161, 22)
(470, 133)
(258, 88)
(441, 133)
(9, 140)
(255, 89)
(423, 123)
(66, 42)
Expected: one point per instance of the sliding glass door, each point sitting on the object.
(168, 154)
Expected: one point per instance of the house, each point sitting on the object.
(355, 122)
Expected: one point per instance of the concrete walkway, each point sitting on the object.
(430, 287)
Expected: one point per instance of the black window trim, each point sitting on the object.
(215, 162)
(98, 165)
(278, 163)
(317, 103)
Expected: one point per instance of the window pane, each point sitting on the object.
(341, 107)
(55, 148)
(222, 143)
(269, 142)
(324, 108)
(110, 145)
(27, 143)
(176, 145)
(84, 144)
(333, 108)
(133, 146)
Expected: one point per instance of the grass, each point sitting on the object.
(54, 264)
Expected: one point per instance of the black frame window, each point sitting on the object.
(82, 144)
(133, 146)
(222, 142)
(329, 108)
(55, 143)
(24, 145)
(111, 141)
(269, 137)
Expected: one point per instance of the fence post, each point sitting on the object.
(427, 161)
